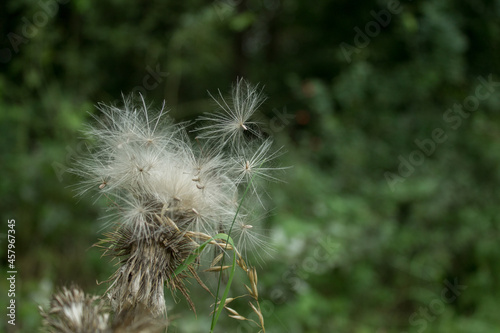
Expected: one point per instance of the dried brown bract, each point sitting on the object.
(147, 264)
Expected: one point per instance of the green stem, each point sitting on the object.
(217, 313)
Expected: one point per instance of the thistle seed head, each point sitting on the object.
(229, 124)
(147, 264)
(169, 194)
(73, 311)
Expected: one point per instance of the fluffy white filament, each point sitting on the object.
(144, 163)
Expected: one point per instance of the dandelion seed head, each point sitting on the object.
(228, 125)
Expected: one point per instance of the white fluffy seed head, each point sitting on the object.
(254, 164)
(149, 167)
(229, 124)
(250, 237)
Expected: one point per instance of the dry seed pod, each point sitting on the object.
(216, 259)
(261, 318)
(216, 268)
(248, 289)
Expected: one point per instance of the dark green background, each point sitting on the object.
(353, 254)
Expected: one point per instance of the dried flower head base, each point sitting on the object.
(171, 198)
(147, 264)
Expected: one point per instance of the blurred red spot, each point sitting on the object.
(302, 117)
(308, 89)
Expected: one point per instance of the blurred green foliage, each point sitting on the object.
(354, 251)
